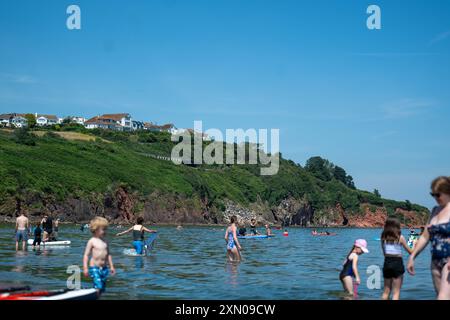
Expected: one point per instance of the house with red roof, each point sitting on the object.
(114, 121)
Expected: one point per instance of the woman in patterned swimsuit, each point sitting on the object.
(438, 234)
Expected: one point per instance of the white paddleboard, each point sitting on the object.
(51, 243)
(82, 294)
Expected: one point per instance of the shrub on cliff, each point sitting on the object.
(23, 136)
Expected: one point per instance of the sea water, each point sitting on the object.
(191, 264)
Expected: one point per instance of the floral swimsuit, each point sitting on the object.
(440, 243)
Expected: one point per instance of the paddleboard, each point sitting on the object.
(52, 243)
(82, 294)
(259, 236)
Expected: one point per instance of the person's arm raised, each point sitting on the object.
(124, 232)
(149, 230)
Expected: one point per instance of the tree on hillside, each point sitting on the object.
(31, 120)
(340, 174)
(320, 168)
(22, 136)
(325, 170)
(377, 193)
(349, 182)
(408, 205)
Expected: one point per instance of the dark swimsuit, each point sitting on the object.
(138, 240)
(440, 244)
(347, 270)
(37, 236)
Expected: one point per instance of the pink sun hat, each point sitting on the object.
(362, 244)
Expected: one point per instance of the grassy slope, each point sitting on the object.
(63, 168)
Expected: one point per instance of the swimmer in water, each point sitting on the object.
(233, 246)
(349, 271)
(242, 231)
(268, 230)
(253, 230)
(96, 257)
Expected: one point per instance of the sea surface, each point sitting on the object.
(190, 264)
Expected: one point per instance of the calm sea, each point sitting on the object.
(190, 264)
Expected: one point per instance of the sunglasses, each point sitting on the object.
(435, 195)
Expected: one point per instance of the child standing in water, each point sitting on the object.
(37, 236)
(96, 256)
(392, 242)
(350, 269)
(233, 246)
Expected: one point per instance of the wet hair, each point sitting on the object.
(97, 223)
(140, 220)
(392, 231)
(233, 219)
(441, 185)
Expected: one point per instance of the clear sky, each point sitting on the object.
(374, 102)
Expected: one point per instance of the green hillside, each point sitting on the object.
(61, 166)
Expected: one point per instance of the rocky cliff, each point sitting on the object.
(123, 206)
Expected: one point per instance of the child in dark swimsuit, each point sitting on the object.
(37, 236)
(350, 268)
(438, 234)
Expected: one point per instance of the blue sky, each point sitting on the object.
(374, 102)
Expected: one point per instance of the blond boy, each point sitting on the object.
(96, 257)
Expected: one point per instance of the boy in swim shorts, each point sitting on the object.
(96, 257)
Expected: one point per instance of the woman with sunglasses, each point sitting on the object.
(438, 234)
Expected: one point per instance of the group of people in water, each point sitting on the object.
(437, 233)
(98, 263)
(45, 230)
(253, 231)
